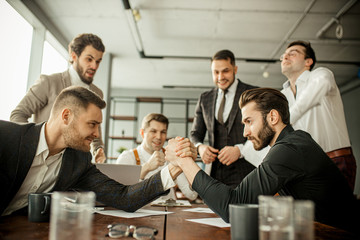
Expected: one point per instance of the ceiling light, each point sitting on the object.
(136, 14)
(266, 74)
(133, 28)
(339, 32)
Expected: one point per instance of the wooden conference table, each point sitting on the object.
(171, 226)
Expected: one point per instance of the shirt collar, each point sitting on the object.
(301, 78)
(143, 148)
(286, 84)
(75, 79)
(43, 148)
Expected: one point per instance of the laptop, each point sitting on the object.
(125, 174)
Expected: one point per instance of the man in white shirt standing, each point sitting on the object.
(316, 106)
(150, 154)
(86, 52)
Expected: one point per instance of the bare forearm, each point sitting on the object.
(144, 171)
(174, 171)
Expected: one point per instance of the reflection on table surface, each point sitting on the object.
(171, 226)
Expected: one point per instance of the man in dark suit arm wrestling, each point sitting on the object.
(54, 156)
(294, 166)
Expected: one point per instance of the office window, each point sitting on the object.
(53, 61)
(15, 46)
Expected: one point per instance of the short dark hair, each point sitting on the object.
(309, 51)
(78, 44)
(76, 98)
(224, 55)
(267, 99)
(156, 117)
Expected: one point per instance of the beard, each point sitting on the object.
(228, 80)
(264, 137)
(80, 70)
(74, 140)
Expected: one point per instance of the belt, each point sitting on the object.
(340, 152)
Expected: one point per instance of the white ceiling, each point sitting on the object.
(186, 33)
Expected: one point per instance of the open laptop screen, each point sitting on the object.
(125, 174)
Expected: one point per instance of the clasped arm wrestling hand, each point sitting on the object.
(181, 152)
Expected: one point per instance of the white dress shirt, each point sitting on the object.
(317, 108)
(128, 157)
(41, 177)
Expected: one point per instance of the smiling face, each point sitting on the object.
(83, 128)
(87, 63)
(223, 73)
(154, 136)
(256, 129)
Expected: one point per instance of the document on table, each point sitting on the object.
(138, 213)
(199, 210)
(217, 222)
(174, 203)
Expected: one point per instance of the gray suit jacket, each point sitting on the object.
(41, 97)
(18, 144)
(204, 119)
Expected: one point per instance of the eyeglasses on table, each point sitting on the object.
(122, 230)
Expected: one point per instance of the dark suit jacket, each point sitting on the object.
(204, 119)
(18, 144)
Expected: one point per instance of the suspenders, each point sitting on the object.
(137, 158)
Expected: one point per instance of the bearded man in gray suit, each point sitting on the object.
(54, 156)
(217, 112)
(86, 52)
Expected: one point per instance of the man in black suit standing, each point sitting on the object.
(217, 112)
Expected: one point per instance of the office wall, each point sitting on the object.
(351, 102)
(165, 93)
(127, 108)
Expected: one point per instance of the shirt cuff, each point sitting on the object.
(241, 147)
(166, 179)
(198, 144)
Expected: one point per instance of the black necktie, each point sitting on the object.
(221, 108)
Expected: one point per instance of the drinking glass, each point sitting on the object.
(71, 215)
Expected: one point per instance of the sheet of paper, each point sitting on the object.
(217, 222)
(199, 210)
(138, 213)
(178, 203)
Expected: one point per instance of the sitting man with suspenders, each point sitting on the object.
(150, 154)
